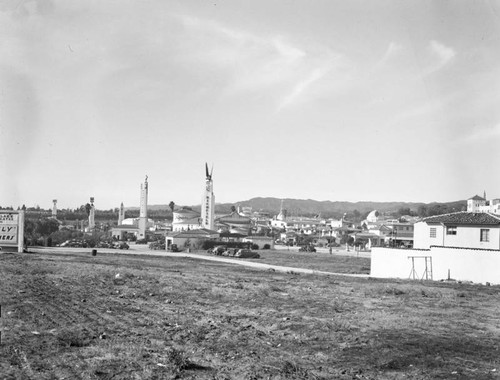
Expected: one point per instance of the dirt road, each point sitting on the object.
(144, 250)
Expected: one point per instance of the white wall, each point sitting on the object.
(474, 265)
(421, 235)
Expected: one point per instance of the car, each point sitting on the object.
(246, 254)
(218, 250)
(157, 245)
(65, 244)
(173, 248)
(307, 248)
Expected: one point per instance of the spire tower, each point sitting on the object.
(91, 214)
(54, 209)
(208, 201)
(121, 214)
(143, 213)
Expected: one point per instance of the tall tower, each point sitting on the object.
(54, 209)
(92, 214)
(121, 214)
(143, 213)
(208, 202)
(281, 215)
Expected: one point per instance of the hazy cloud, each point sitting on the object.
(442, 55)
(254, 62)
(391, 51)
(481, 134)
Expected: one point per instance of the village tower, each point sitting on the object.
(54, 209)
(121, 215)
(91, 214)
(208, 202)
(143, 213)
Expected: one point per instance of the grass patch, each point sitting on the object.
(177, 318)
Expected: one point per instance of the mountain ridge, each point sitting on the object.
(311, 206)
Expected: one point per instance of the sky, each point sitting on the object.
(325, 100)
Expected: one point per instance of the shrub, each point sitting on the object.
(266, 246)
(209, 244)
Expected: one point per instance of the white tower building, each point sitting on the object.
(92, 214)
(143, 213)
(121, 214)
(208, 202)
(54, 209)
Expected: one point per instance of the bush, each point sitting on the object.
(209, 244)
(255, 246)
(266, 246)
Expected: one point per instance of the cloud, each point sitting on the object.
(254, 62)
(393, 49)
(442, 55)
(302, 85)
(481, 134)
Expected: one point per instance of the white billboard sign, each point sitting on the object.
(12, 229)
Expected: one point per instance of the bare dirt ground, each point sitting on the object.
(112, 316)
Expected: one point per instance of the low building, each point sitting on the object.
(192, 239)
(186, 219)
(459, 229)
(368, 240)
(463, 246)
(399, 234)
(130, 226)
(260, 241)
(234, 223)
(480, 204)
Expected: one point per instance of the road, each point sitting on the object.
(144, 250)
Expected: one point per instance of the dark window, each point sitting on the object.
(485, 234)
(451, 230)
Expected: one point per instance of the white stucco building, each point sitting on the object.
(186, 219)
(459, 229)
(481, 204)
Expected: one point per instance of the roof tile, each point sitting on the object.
(465, 218)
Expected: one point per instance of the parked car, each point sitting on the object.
(156, 245)
(246, 254)
(65, 244)
(173, 248)
(307, 248)
(218, 250)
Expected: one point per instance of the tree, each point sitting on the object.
(171, 205)
(422, 211)
(47, 226)
(402, 211)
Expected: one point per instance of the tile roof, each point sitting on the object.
(200, 232)
(464, 218)
(477, 198)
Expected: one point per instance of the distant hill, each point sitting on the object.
(327, 208)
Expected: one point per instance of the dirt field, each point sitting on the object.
(75, 316)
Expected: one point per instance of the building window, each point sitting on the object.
(433, 232)
(451, 230)
(485, 234)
